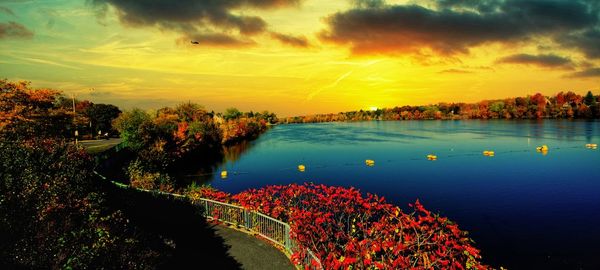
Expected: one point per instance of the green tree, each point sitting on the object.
(102, 116)
(589, 99)
(135, 127)
(497, 106)
(232, 113)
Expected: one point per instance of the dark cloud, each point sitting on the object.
(214, 40)
(587, 73)
(542, 60)
(14, 30)
(456, 26)
(587, 41)
(368, 3)
(478, 5)
(7, 11)
(196, 17)
(296, 41)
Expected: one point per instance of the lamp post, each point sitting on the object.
(74, 115)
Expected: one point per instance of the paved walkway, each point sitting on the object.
(98, 146)
(251, 252)
(196, 241)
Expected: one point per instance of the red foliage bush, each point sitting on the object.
(345, 229)
(196, 192)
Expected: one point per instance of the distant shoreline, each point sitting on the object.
(560, 106)
(444, 120)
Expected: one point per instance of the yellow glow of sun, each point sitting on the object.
(373, 108)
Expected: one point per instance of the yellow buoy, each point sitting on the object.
(542, 149)
(488, 153)
(370, 162)
(301, 168)
(431, 157)
(223, 174)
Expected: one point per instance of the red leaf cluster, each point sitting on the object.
(345, 229)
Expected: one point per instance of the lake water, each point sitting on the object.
(524, 209)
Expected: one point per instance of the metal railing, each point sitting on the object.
(267, 227)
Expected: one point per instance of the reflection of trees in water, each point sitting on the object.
(232, 153)
(200, 167)
(561, 129)
(590, 130)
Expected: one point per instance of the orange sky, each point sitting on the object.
(300, 57)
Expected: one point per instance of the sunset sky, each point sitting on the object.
(301, 56)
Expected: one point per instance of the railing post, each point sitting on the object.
(287, 241)
(205, 208)
(246, 219)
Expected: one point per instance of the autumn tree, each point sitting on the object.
(31, 112)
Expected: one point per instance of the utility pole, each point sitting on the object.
(74, 115)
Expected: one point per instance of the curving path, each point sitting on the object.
(196, 244)
(251, 252)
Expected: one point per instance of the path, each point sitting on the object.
(251, 252)
(196, 242)
(98, 146)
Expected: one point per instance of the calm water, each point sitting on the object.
(522, 208)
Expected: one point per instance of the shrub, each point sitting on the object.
(53, 214)
(349, 231)
(141, 178)
(195, 192)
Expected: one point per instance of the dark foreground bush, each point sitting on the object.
(53, 213)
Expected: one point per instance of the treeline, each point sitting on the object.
(47, 113)
(54, 211)
(538, 106)
(161, 138)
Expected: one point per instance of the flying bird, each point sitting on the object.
(195, 42)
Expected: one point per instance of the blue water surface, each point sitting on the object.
(524, 209)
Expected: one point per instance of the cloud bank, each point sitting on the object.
(453, 27)
(542, 60)
(14, 30)
(215, 22)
